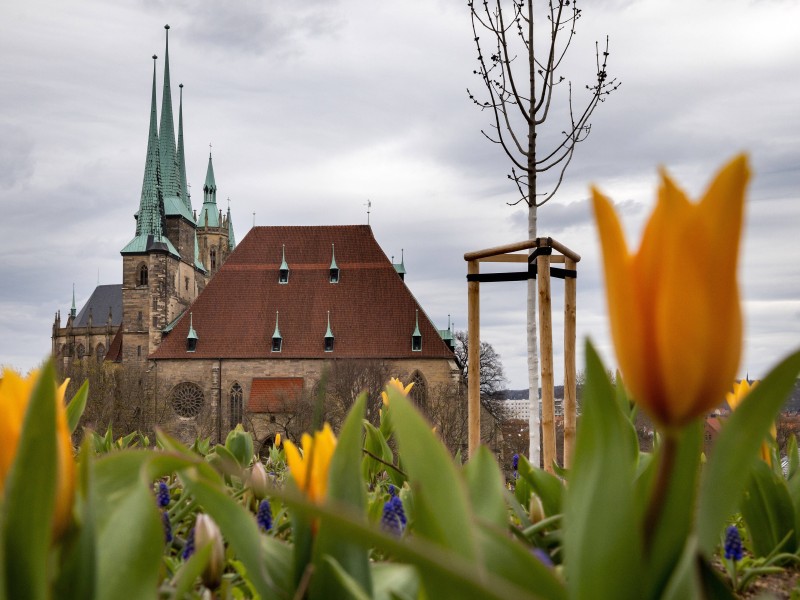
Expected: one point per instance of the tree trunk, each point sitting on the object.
(533, 356)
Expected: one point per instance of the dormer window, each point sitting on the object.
(191, 338)
(277, 340)
(334, 270)
(328, 346)
(283, 272)
(416, 337)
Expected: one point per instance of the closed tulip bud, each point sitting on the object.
(15, 394)
(277, 440)
(674, 304)
(258, 480)
(536, 511)
(207, 532)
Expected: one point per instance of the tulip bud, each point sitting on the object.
(536, 511)
(207, 532)
(258, 480)
(277, 440)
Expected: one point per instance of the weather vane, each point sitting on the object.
(368, 205)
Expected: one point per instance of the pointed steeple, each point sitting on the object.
(73, 310)
(181, 158)
(166, 134)
(151, 204)
(150, 220)
(209, 214)
(231, 237)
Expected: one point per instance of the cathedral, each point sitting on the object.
(227, 333)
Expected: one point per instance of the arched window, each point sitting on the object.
(187, 399)
(419, 392)
(81, 351)
(212, 254)
(101, 353)
(236, 396)
(142, 275)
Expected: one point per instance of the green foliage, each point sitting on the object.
(620, 523)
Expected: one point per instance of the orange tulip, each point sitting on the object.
(674, 305)
(734, 399)
(15, 393)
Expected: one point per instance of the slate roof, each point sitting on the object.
(274, 394)
(372, 312)
(103, 297)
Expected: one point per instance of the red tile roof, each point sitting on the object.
(114, 353)
(274, 394)
(372, 312)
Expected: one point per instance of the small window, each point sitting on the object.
(142, 274)
(236, 396)
(276, 344)
(213, 258)
(328, 343)
(283, 276)
(100, 353)
(191, 344)
(139, 351)
(334, 275)
(186, 283)
(155, 320)
(81, 351)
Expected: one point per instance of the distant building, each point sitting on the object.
(228, 332)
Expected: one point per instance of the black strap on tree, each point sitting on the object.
(531, 273)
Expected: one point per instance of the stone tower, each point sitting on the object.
(214, 231)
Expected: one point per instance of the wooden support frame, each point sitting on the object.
(542, 251)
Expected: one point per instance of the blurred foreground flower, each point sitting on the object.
(674, 305)
(258, 480)
(733, 544)
(398, 385)
(206, 531)
(310, 471)
(15, 393)
(277, 440)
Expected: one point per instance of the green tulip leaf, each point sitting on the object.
(768, 511)
(600, 530)
(76, 406)
(485, 485)
(736, 451)
(30, 496)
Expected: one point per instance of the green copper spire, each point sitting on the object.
(151, 205)
(181, 158)
(277, 332)
(72, 311)
(170, 184)
(209, 214)
(150, 221)
(231, 237)
(328, 332)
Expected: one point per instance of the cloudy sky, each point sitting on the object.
(314, 108)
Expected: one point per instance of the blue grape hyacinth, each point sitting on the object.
(394, 517)
(515, 462)
(188, 549)
(733, 544)
(167, 526)
(264, 515)
(162, 496)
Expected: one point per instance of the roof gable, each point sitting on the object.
(372, 312)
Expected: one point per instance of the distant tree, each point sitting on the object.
(518, 71)
(492, 375)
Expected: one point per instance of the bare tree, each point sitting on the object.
(521, 77)
(492, 375)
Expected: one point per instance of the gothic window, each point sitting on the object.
(142, 276)
(101, 353)
(187, 399)
(81, 351)
(419, 392)
(213, 258)
(138, 351)
(186, 283)
(236, 396)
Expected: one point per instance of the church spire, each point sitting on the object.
(181, 158)
(231, 237)
(151, 206)
(166, 134)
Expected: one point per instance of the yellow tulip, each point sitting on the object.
(398, 385)
(734, 399)
(15, 393)
(277, 440)
(674, 305)
(310, 470)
